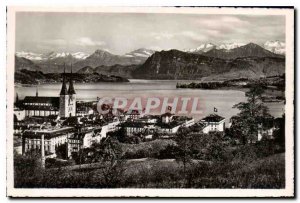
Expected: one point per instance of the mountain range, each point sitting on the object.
(207, 61)
(54, 62)
(276, 47)
(176, 64)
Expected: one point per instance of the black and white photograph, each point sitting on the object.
(150, 102)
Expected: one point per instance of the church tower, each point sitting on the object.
(64, 98)
(72, 96)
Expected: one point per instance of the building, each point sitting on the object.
(200, 127)
(148, 119)
(171, 123)
(85, 108)
(167, 117)
(266, 129)
(40, 106)
(79, 141)
(67, 99)
(169, 128)
(133, 114)
(19, 113)
(64, 105)
(186, 121)
(132, 128)
(214, 122)
(53, 137)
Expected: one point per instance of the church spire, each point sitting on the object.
(64, 86)
(37, 91)
(71, 90)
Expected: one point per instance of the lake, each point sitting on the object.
(222, 100)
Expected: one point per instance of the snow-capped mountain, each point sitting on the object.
(275, 47)
(228, 46)
(50, 56)
(144, 53)
(202, 48)
(30, 55)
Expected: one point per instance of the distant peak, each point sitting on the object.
(252, 44)
(205, 47)
(98, 51)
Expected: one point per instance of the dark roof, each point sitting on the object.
(182, 118)
(54, 101)
(170, 125)
(48, 100)
(64, 90)
(48, 133)
(150, 117)
(71, 121)
(198, 126)
(71, 88)
(134, 124)
(133, 112)
(213, 118)
(167, 114)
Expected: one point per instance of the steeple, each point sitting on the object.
(64, 86)
(37, 91)
(71, 90)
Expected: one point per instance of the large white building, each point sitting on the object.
(53, 137)
(214, 123)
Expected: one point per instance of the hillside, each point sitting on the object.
(25, 64)
(34, 77)
(104, 58)
(176, 64)
(86, 70)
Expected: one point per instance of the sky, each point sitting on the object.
(124, 32)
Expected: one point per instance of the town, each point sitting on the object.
(43, 124)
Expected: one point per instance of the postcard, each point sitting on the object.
(150, 102)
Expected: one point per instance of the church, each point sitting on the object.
(63, 106)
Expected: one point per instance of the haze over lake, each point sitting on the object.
(223, 100)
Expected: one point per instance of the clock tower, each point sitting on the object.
(67, 98)
(72, 97)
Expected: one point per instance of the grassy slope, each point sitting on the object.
(268, 172)
(152, 146)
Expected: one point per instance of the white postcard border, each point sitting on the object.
(287, 192)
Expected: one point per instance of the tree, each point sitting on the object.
(279, 134)
(184, 143)
(112, 162)
(26, 169)
(252, 113)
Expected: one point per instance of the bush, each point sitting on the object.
(169, 152)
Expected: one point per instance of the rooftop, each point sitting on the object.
(48, 132)
(167, 114)
(172, 124)
(134, 112)
(182, 118)
(212, 118)
(46, 100)
(53, 101)
(198, 126)
(134, 124)
(150, 117)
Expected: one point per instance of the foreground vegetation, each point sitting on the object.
(189, 159)
(246, 166)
